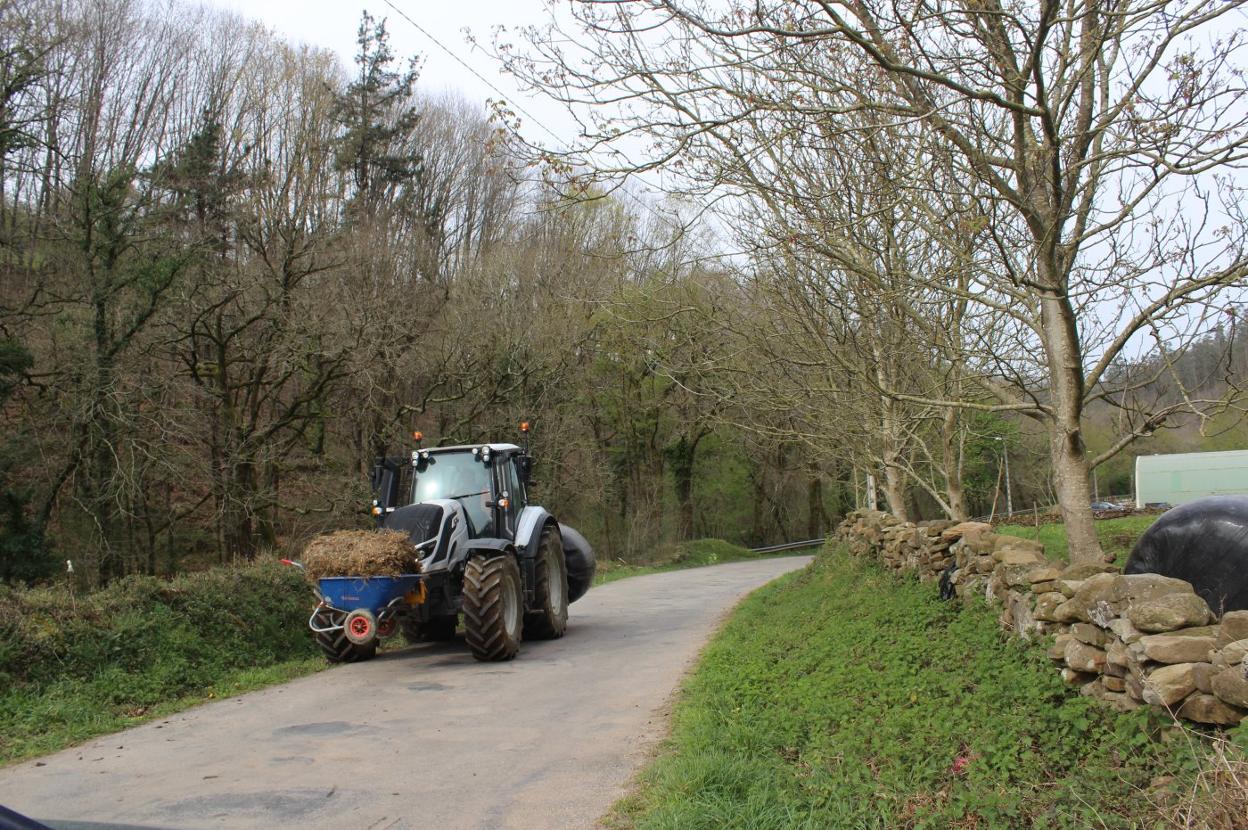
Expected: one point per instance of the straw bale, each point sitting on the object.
(360, 553)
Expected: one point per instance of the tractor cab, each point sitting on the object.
(486, 480)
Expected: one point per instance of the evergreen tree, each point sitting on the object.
(376, 113)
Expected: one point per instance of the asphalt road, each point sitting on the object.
(419, 737)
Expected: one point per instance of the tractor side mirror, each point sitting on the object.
(386, 481)
(524, 466)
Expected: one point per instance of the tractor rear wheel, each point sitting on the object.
(550, 620)
(435, 630)
(335, 645)
(493, 607)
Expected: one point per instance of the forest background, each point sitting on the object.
(233, 271)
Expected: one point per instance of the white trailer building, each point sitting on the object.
(1183, 477)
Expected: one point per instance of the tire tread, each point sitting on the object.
(546, 623)
(484, 627)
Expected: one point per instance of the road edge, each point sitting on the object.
(648, 754)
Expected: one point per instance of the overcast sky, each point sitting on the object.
(333, 24)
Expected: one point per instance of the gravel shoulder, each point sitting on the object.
(420, 737)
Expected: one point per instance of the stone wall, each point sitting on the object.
(1127, 639)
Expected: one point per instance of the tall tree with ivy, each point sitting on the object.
(377, 115)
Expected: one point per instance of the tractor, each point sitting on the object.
(486, 553)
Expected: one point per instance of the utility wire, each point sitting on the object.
(465, 65)
(650, 209)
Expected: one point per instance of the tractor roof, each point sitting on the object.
(470, 447)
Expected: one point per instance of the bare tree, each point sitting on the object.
(1097, 142)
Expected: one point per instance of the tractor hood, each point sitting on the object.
(429, 524)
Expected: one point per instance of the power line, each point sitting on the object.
(650, 209)
(466, 65)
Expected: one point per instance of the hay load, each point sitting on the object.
(360, 553)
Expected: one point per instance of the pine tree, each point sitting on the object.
(376, 113)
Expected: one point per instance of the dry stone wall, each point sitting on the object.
(1127, 639)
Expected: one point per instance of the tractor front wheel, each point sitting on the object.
(334, 644)
(493, 607)
(550, 620)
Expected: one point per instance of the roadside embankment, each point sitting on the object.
(72, 667)
(851, 696)
(1126, 639)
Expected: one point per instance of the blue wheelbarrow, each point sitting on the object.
(355, 612)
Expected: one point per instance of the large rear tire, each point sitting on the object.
(436, 630)
(493, 607)
(335, 645)
(550, 620)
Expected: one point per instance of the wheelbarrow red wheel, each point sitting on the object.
(334, 644)
(386, 627)
(361, 627)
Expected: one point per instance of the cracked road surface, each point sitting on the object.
(419, 737)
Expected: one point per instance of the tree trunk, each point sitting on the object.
(756, 505)
(1074, 495)
(267, 524)
(890, 428)
(1065, 424)
(682, 456)
(895, 489)
(240, 528)
(950, 444)
(816, 517)
(102, 452)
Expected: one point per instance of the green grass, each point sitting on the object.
(694, 554)
(39, 721)
(75, 667)
(846, 697)
(1117, 535)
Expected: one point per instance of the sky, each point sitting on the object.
(333, 23)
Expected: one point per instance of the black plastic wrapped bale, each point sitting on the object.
(1204, 542)
(581, 562)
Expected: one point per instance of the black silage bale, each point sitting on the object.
(1204, 542)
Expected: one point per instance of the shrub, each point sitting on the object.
(223, 618)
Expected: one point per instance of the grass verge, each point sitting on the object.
(694, 554)
(38, 722)
(75, 667)
(845, 697)
(1117, 535)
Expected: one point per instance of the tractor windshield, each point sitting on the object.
(455, 475)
